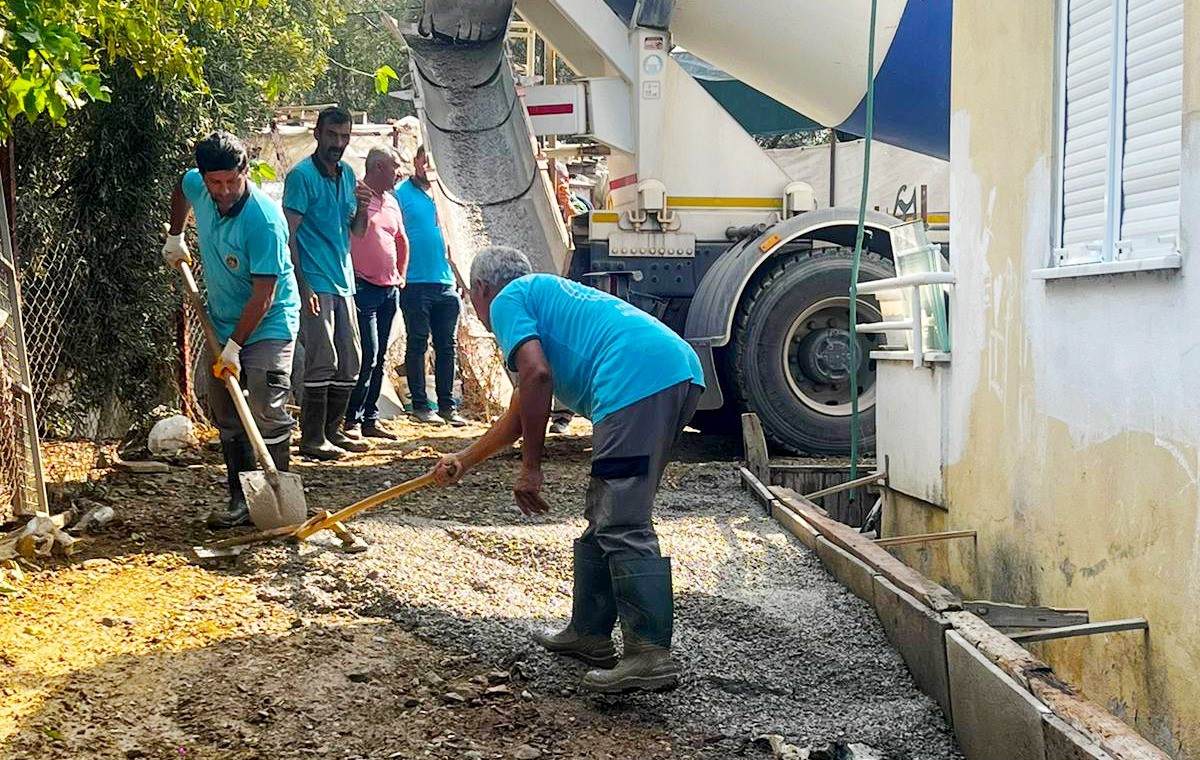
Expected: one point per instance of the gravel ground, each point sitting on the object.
(768, 641)
(420, 648)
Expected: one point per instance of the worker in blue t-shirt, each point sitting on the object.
(252, 301)
(639, 383)
(429, 302)
(323, 203)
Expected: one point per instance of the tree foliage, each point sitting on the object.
(101, 311)
(366, 61)
(136, 82)
(53, 52)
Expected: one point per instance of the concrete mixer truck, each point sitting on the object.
(701, 227)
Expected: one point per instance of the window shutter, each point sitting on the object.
(1153, 126)
(1087, 120)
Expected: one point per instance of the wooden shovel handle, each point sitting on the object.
(231, 381)
(326, 520)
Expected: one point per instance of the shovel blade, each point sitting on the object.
(274, 505)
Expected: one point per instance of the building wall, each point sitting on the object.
(1071, 409)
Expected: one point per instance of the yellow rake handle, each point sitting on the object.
(327, 519)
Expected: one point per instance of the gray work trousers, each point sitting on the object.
(267, 380)
(332, 354)
(630, 451)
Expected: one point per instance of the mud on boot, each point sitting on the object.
(597, 651)
(646, 606)
(643, 667)
(588, 637)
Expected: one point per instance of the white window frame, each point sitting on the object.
(1111, 258)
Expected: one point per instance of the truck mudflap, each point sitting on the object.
(713, 397)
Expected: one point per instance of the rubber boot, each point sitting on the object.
(339, 399)
(312, 426)
(239, 458)
(281, 455)
(642, 587)
(588, 636)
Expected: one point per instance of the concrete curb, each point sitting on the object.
(1003, 703)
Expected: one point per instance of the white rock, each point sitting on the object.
(172, 435)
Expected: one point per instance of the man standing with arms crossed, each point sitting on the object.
(639, 383)
(380, 258)
(252, 300)
(323, 203)
(430, 301)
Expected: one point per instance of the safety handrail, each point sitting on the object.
(913, 325)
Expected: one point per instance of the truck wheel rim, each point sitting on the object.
(816, 354)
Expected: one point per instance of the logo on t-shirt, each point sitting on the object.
(232, 262)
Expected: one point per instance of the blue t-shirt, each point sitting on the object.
(426, 245)
(605, 353)
(251, 240)
(323, 238)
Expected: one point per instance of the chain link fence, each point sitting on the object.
(22, 491)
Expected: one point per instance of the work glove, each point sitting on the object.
(175, 250)
(229, 362)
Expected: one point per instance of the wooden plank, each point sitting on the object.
(1001, 615)
(1086, 629)
(784, 494)
(754, 442)
(755, 486)
(921, 538)
(874, 477)
(925, 590)
(832, 469)
(796, 525)
(1007, 654)
(1112, 734)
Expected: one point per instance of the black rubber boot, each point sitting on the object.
(588, 636)
(239, 458)
(312, 426)
(339, 399)
(281, 455)
(646, 606)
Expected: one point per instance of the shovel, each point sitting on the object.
(275, 498)
(231, 547)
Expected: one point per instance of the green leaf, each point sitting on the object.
(31, 109)
(383, 75)
(261, 171)
(92, 85)
(57, 108)
(19, 87)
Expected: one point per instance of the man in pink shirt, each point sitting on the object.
(380, 258)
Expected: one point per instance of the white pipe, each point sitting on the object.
(908, 280)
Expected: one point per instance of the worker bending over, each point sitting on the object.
(252, 301)
(639, 384)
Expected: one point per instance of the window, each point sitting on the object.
(1120, 90)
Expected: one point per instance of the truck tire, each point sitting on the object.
(791, 347)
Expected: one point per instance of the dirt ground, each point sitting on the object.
(419, 647)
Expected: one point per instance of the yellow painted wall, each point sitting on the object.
(1084, 493)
